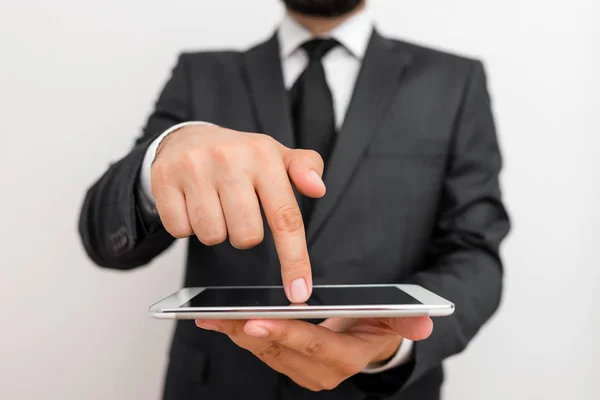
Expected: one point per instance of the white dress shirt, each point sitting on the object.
(341, 65)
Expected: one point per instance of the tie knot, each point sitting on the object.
(317, 48)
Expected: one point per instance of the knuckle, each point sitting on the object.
(311, 348)
(321, 163)
(247, 241)
(312, 157)
(306, 383)
(329, 382)
(295, 265)
(212, 238)
(283, 336)
(352, 368)
(188, 160)
(245, 226)
(234, 331)
(264, 151)
(176, 230)
(273, 350)
(313, 387)
(207, 230)
(264, 139)
(160, 172)
(200, 216)
(287, 219)
(174, 226)
(315, 156)
(228, 155)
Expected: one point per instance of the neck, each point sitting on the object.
(322, 25)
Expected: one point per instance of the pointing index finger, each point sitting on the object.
(285, 220)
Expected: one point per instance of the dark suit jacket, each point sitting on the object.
(412, 197)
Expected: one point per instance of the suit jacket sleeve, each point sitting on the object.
(115, 232)
(463, 262)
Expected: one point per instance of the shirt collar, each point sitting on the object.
(353, 34)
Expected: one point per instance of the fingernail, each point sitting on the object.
(256, 331)
(314, 176)
(209, 326)
(299, 291)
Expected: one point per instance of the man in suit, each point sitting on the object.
(238, 155)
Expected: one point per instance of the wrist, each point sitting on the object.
(147, 197)
(180, 130)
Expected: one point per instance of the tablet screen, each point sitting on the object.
(321, 296)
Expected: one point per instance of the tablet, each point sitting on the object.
(326, 301)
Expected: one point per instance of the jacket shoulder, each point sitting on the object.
(434, 57)
(216, 58)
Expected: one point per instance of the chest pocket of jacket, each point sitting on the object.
(387, 211)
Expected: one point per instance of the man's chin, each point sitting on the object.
(322, 8)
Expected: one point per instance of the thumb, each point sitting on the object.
(305, 169)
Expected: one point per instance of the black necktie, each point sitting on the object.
(312, 109)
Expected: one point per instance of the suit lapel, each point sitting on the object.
(265, 82)
(374, 89)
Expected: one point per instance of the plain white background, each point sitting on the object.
(78, 79)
